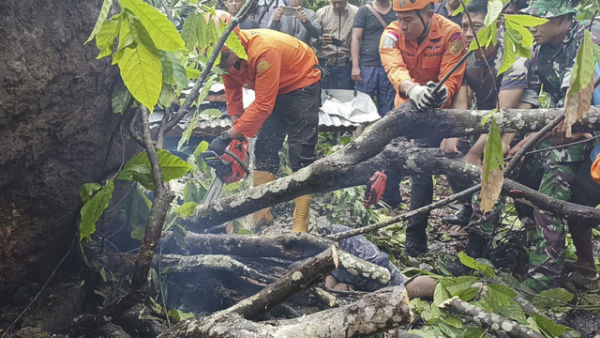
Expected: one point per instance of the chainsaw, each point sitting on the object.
(230, 167)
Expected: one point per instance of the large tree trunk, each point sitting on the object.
(55, 120)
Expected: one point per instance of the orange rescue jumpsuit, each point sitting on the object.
(429, 61)
(277, 64)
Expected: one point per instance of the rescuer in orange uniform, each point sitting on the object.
(282, 71)
(417, 51)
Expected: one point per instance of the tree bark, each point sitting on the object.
(374, 312)
(490, 320)
(55, 122)
(339, 171)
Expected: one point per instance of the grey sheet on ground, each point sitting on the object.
(360, 247)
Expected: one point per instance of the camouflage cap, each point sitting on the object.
(549, 8)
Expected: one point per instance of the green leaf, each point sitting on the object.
(167, 95)
(120, 97)
(485, 37)
(494, 8)
(440, 294)
(93, 209)
(468, 294)
(549, 327)
(87, 190)
(141, 73)
(186, 210)
(161, 30)
(192, 73)
(211, 114)
(503, 289)
(179, 234)
(460, 8)
(100, 21)
(173, 71)
(584, 68)
(177, 316)
(458, 284)
(138, 232)
(487, 116)
(493, 155)
(191, 31)
(235, 45)
(470, 262)
(524, 20)
(103, 274)
(107, 36)
(137, 207)
(508, 58)
(552, 298)
(138, 168)
(191, 193)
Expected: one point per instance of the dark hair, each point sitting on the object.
(520, 4)
(478, 7)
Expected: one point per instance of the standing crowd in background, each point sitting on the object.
(399, 51)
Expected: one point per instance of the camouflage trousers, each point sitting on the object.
(547, 244)
(557, 169)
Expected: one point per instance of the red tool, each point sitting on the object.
(375, 188)
(230, 167)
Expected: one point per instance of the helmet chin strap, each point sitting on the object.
(425, 28)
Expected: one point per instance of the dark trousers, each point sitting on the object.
(296, 115)
(337, 77)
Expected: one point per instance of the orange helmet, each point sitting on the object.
(410, 5)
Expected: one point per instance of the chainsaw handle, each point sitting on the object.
(238, 160)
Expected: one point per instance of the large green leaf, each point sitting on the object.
(549, 327)
(87, 191)
(470, 262)
(138, 168)
(173, 71)
(508, 57)
(584, 68)
(524, 20)
(192, 30)
(233, 42)
(142, 74)
(548, 299)
(494, 8)
(186, 210)
(161, 30)
(492, 169)
(100, 21)
(107, 35)
(120, 98)
(93, 209)
(460, 8)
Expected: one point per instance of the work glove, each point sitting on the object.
(440, 97)
(421, 96)
(219, 144)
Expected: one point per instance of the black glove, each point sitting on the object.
(438, 98)
(219, 144)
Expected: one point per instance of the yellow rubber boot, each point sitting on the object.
(262, 217)
(301, 214)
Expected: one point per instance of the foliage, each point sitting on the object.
(492, 170)
(93, 207)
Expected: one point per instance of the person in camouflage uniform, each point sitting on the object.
(552, 61)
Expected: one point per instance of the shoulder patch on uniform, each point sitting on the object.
(457, 44)
(389, 40)
(262, 66)
(455, 36)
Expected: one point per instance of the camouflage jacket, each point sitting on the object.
(553, 68)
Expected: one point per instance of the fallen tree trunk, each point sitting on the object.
(402, 157)
(287, 246)
(374, 312)
(492, 321)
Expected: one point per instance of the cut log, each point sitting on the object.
(374, 312)
(492, 321)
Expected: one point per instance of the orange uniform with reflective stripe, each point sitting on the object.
(429, 61)
(595, 170)
(277, 63)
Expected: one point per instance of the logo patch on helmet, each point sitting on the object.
(262, 66)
